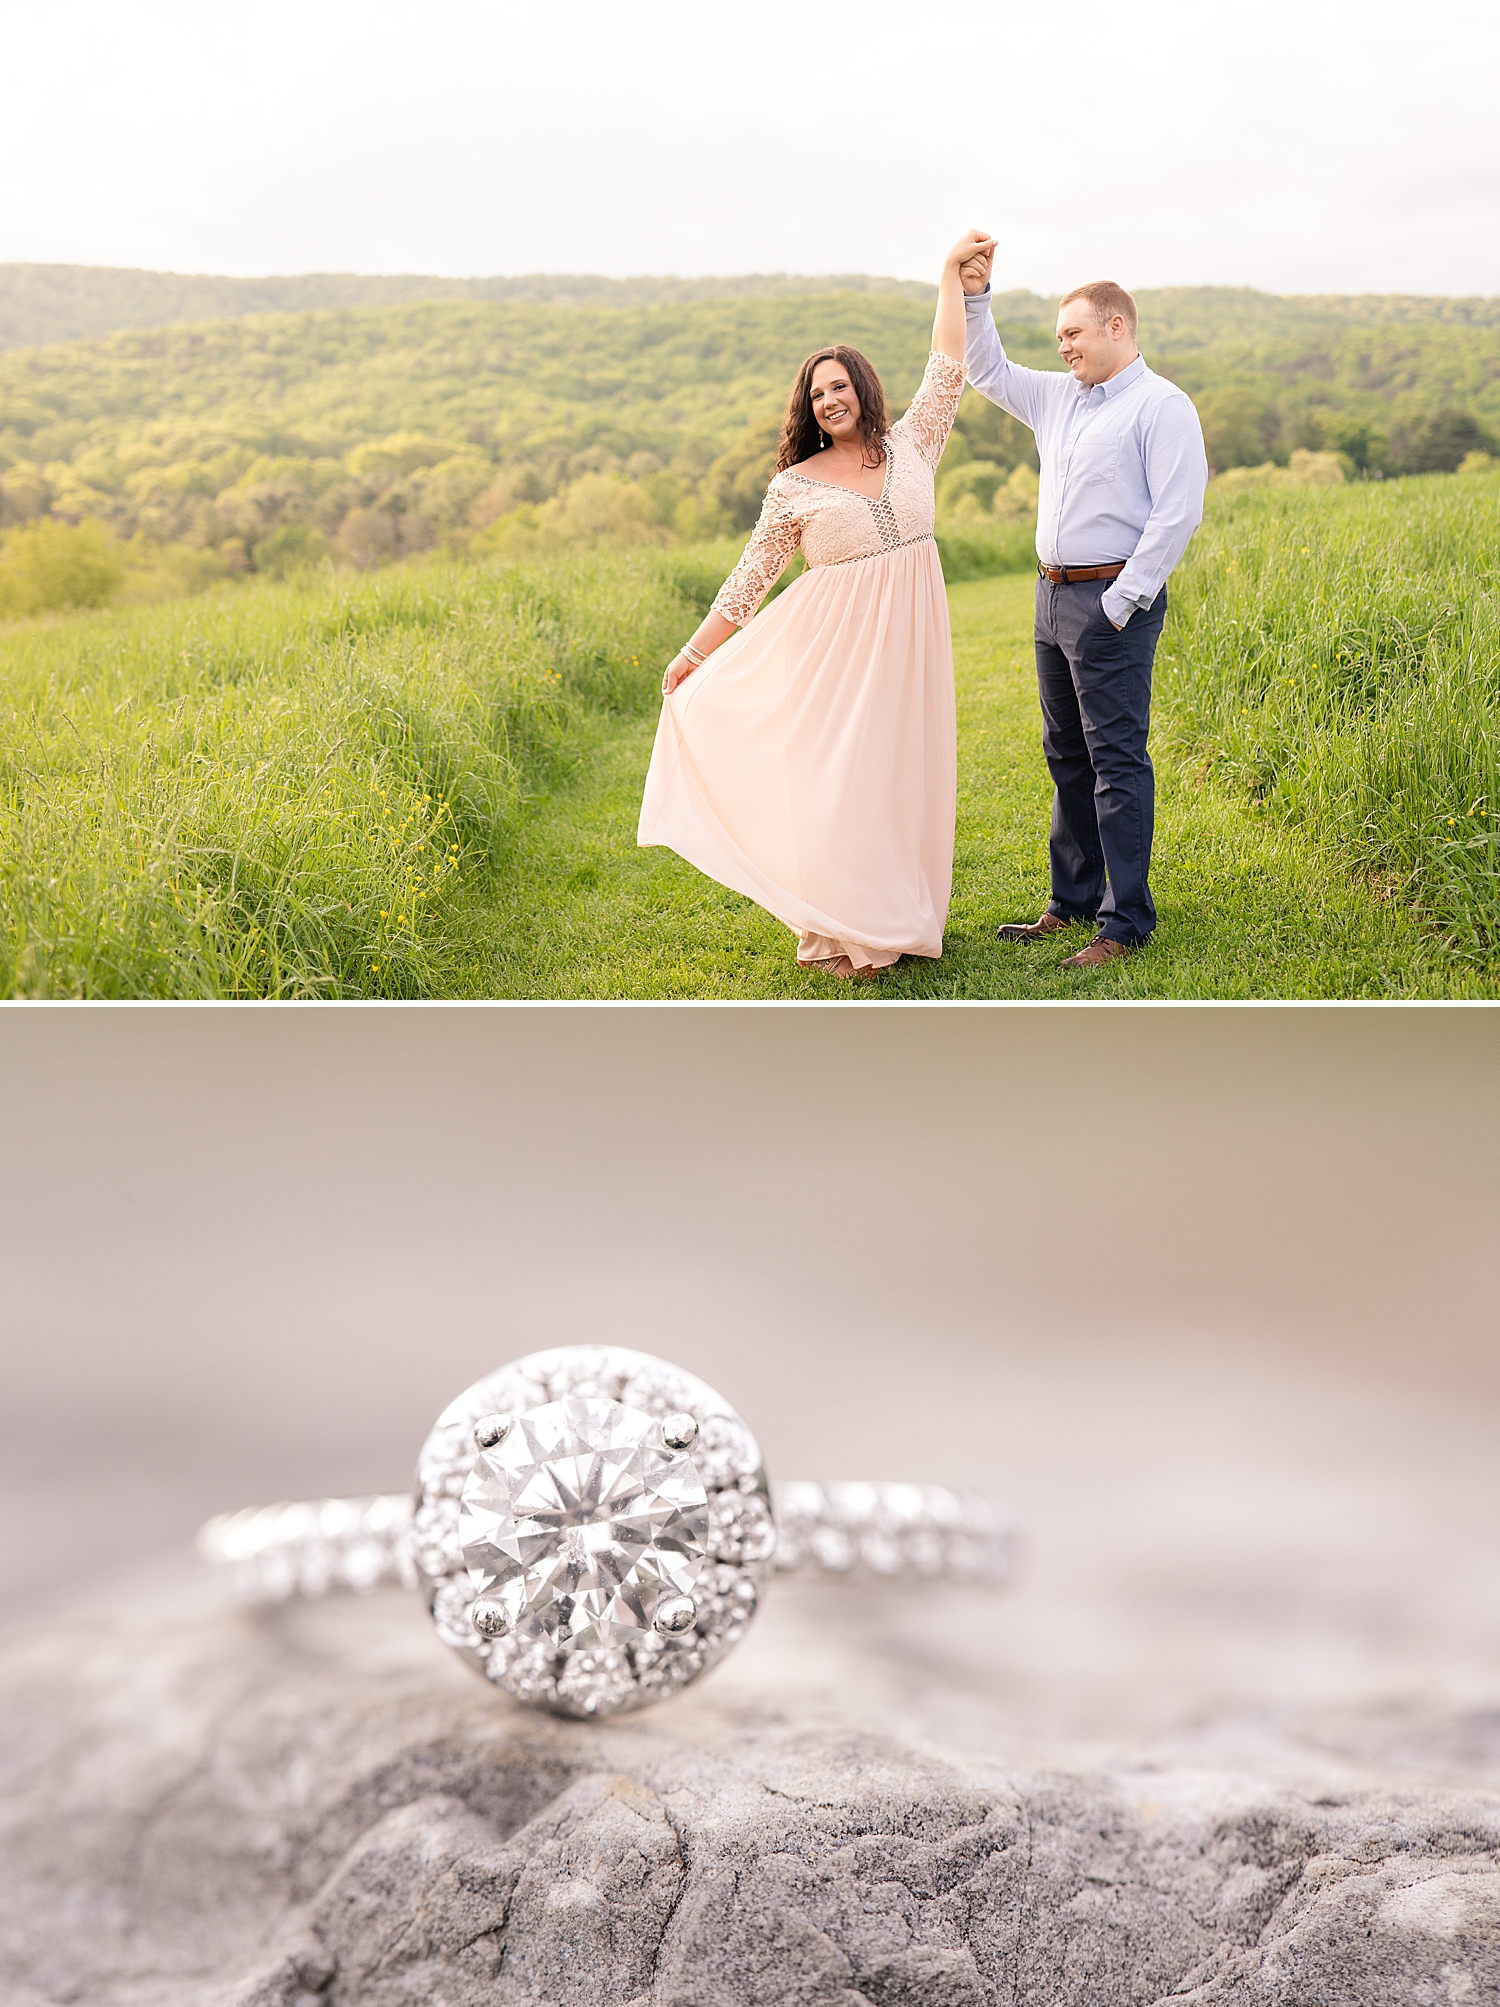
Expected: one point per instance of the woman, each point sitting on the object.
(808, 760)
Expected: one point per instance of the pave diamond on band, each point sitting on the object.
(592, 1529)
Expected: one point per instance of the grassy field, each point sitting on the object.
(302, 791)
(1247, 910)
(425, 783)
(1334, 659)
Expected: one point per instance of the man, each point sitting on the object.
(1123, 475)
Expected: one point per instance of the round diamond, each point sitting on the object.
(580, 1520)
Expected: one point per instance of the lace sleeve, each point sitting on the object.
(772, 546)
(930, 415)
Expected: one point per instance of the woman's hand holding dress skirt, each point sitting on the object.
(713, 630)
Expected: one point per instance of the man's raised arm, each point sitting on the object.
(1017, 390)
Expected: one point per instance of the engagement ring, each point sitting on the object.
(592, 1530)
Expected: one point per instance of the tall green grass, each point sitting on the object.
(1334, 655)
(311, 789)
(297, 791)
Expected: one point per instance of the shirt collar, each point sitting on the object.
(1131, 373)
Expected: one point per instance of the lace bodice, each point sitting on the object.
(832, 525)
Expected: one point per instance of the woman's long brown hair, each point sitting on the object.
(801, 434)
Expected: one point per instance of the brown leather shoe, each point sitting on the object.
(1034, 930)
(1100, 949)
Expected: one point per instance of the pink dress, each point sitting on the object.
(811, 763)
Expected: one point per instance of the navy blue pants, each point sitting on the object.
(1095, 685)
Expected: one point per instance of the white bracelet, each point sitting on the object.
(690, 654)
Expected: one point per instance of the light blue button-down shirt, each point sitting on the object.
(1123, 466)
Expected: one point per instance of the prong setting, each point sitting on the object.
(679, 1432)
(674, 1616)
(489, 1620)
(491, 1430)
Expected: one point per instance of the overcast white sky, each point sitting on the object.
(1296, 145)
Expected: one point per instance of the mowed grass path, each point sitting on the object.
(1245, 909)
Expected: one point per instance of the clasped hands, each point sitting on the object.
(974, 255)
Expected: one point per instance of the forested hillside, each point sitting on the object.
(50, 303)
(366, 433)
(379, 431)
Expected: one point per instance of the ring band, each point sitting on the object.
(592, 1528)
(328, 1546)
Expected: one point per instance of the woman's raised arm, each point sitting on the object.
(948, 329)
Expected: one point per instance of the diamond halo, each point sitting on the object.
(583, 1562)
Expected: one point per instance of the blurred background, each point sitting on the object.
(1207, 1295)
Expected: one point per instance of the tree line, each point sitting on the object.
(364, 434)
(51, 303)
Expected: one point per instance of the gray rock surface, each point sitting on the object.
(201, 1807)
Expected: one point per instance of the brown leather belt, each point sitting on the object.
(1077, 574)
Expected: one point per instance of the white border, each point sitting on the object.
(326, 1004)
